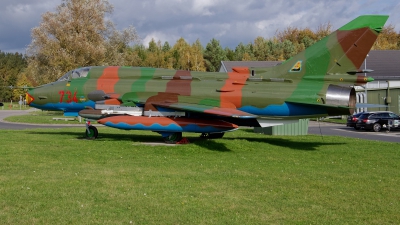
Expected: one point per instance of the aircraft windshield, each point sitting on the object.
(77, 73)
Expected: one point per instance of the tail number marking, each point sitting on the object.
(71, 97)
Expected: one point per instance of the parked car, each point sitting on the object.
(377, 120)
(352, 120)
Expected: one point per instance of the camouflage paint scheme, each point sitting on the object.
(309, 84)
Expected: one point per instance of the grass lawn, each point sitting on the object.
(54, 176)
(44, 117)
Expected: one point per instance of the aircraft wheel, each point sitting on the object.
(211, 135)
(173, 137)
(91, 132)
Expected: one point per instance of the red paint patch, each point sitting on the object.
(361, 80)
(181, 83)
(112, 102)
(356, 44)
(242, 70)
(108, 79)
(162, 97)
(234, 95)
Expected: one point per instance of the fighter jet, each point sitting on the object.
(314, 83)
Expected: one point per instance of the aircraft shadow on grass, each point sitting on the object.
(210, 144)
(294, 145)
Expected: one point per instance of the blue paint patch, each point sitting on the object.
(286, 109)
(170, 128)
(71, 114)
(66, 107)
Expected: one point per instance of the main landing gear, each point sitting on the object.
(174, 138)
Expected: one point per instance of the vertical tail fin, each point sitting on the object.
(353, 42)
(341, 52)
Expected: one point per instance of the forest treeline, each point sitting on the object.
(77, 34)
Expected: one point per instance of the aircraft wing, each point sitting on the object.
(212, 110)
(178, 102)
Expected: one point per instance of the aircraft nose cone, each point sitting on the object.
(29, 98)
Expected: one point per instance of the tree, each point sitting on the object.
(139, 54)
(197, 58)
(388, 39)
(213, 55)
(289, 49)
(166, 47)
(239, 51)
(117, 46)
(168, 59)
(260, 49)
(230, 54)
(75, 35)
(152, 46)
(181, 55)
(155, 55)
(11, 65)
(275, 50)
(22, 81)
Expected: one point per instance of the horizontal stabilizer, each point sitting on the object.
(275, 122)
(360, 71)
(366, 105)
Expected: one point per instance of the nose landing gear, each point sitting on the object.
(91, 131)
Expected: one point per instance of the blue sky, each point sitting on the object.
(229, 21)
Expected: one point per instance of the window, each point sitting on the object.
(73, 74)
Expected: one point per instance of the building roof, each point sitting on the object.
(384, 63)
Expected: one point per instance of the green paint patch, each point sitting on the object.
(375, 22)
(57, 177)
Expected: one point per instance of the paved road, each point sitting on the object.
(327, 129)
(318, 128)
(23, 126)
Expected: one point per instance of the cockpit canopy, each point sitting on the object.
(77, 73)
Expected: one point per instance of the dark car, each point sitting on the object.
(377, 120)
(352, 120)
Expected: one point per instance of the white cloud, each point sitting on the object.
(202, 7)
(159, 36)
(231, 22)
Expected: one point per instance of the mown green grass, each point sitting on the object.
(54, 176)
(43, 117)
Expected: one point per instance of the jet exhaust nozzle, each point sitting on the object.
(342, 97)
